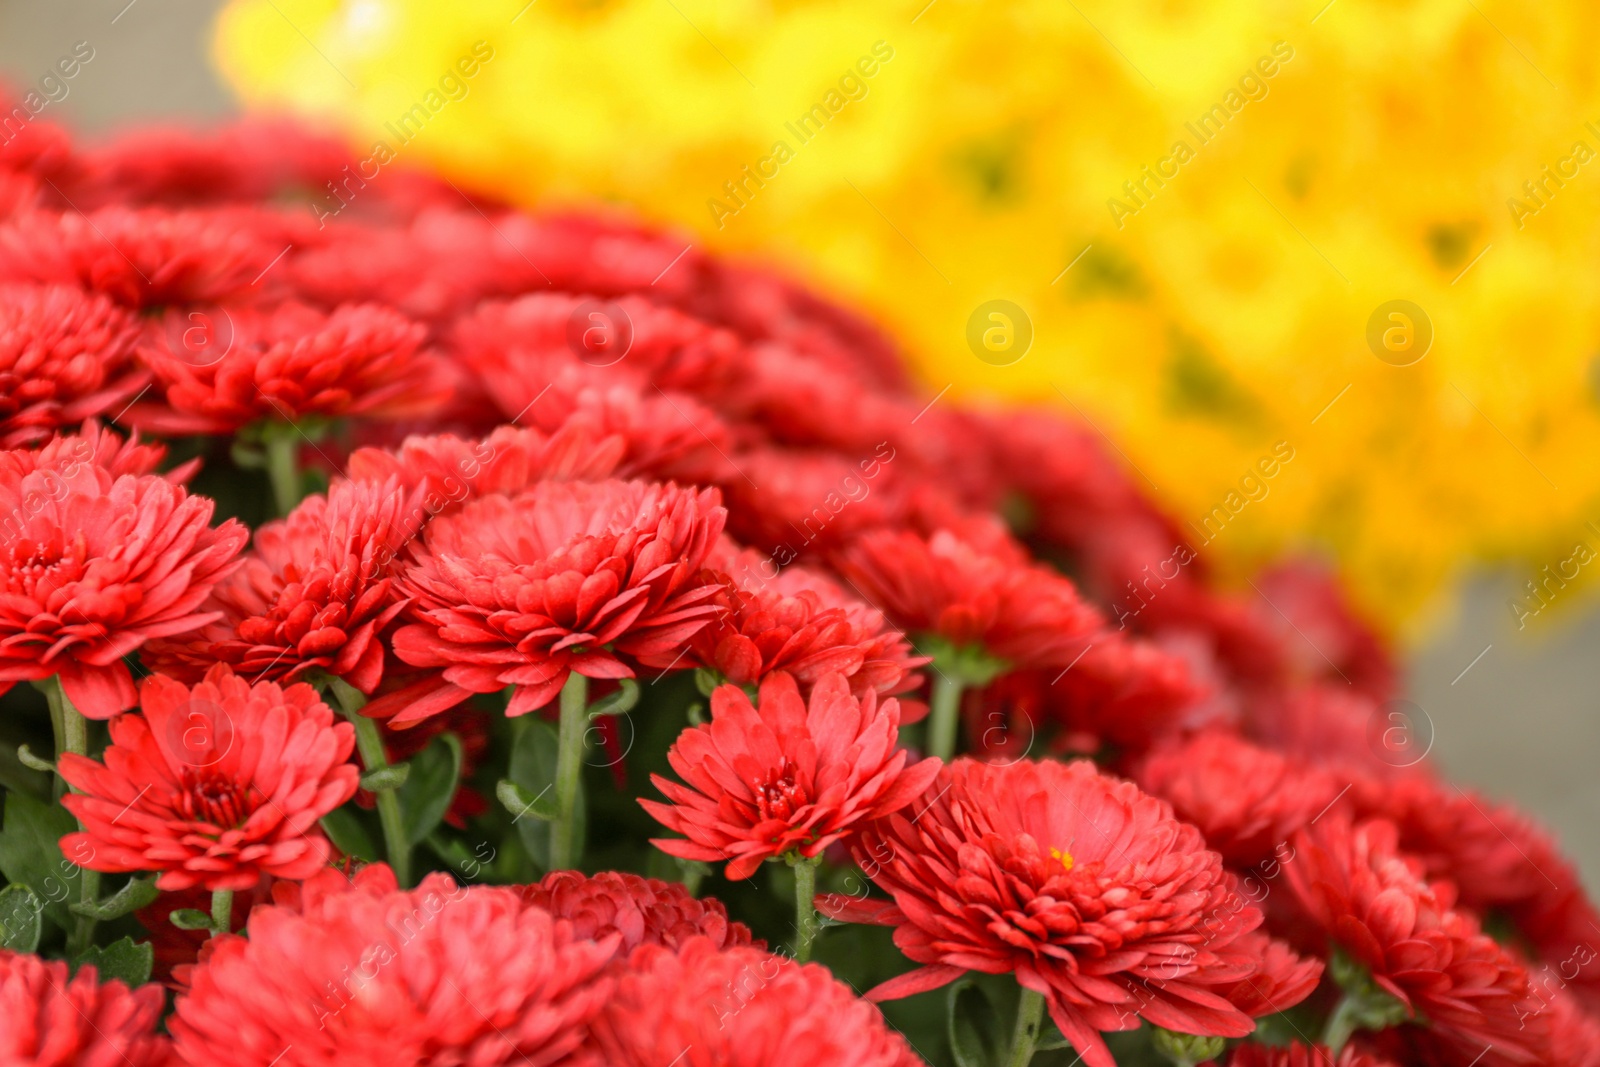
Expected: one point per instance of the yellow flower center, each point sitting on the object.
(1064, 857)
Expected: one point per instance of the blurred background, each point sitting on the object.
(1512, 700)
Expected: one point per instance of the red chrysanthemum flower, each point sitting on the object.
(369, 975)
(1250, 1054)
(640, 911)
(312, 596)
(740, 1007)
(1091, 892)
(53, 1021)
(1369, 900)
(252, 159)
(449, 470)
(213, 786)
(1500, 861)
(100, 446)
(1126, 692)
(144, 257)
(1246, 800)
(801, 623)
(1574, 1033)
(552, 381)
(661, 435)
(807, 504)
(65, 356)
(1281, 980)
(1023, 614)
(569, 576)
(439, 264)
(783, 775)
(287, 364)
(93, 567)
(517, 346)
(1320, 631)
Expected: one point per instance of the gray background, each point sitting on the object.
(1520, 723)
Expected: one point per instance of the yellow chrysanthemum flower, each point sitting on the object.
(1204, 210)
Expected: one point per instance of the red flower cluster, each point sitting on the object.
(96, 564)
(785, 775)
(1090, 892)
(55, 1021)
(312, 596)
(640, 911)
(741, 1007)
(525, 590)
(214, 786)
(543, 451)
(365, 973)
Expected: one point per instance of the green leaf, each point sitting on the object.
(618, 703)
(521, 805)
(533, 772)
(190, 919)
(30, 852)
(344, 828)
(430, 786)
(706, 680)
(390, 777)
(247, 456)
(126, 960)
(138, 893)
(1051, 1037)
(26, 757)
(974, 1026)
(21, 918)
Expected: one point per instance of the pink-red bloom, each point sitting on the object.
(144, 257)
(49, 1020)
(640, 911)
(1368, 899)
(65, 356)
(93, 566)
(1001, 605)
(1281, 980)
(740, 1007)
(1086, 889)
(1500, 861)
(1246, 800)
(288, 364)
(802, 623)
(312, 596)
(213, 786)
(448, 470)
(782, 775)
(366, 974)
(567, 577)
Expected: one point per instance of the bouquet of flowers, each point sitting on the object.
(457, 636)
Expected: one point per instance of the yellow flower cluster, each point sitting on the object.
(1367, 228)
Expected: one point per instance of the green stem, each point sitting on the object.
(221, 911)
(565, 848)
(54, 697)
(281, 448)
(72, 735)
(944, 716)
(369, 741)
(1342, 1023)
(1025, 1035)
(805, 908)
